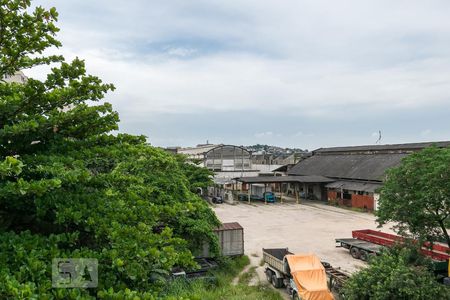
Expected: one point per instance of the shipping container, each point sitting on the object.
(231, 239)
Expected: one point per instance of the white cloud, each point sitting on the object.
(313, 59)
(264, 134)
(302, 134)
(181, 51)
(309, 57)
(235, 82)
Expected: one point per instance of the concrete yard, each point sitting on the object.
(303, 228)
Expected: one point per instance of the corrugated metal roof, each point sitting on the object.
(389, 147)
(280, 179)
(348, 166)
(222, 180)
(354, 186)
(229, 226)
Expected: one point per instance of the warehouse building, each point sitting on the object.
(349, 176)
(358, 172)
(228, 158)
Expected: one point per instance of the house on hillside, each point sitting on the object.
(18, 77)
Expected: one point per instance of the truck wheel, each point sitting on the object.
(280, 282)
(354, 252)
(364, 255)
(269, 275)
(326, 264)
(276, 282)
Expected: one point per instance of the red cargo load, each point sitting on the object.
(435, 251)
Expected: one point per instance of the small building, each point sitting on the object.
(262, 159)
(231, 239)
(18, 77)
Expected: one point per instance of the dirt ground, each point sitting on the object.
(304, 228)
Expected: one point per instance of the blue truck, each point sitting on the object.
(268, 197)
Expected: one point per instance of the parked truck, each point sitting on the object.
(267, 197)
(365, 243)
(304, 275)
(258, 193)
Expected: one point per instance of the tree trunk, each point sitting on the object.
(444, 232)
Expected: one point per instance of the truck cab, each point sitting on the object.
(269, 197)
(292, 290)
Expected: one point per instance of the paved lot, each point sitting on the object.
(303, 228)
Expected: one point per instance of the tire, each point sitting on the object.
(269, 275)
(354, 252)
(280, 282)
(364, 255)
(276, 282)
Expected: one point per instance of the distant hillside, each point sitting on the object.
(273, 149)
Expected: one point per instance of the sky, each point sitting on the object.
(291, 73)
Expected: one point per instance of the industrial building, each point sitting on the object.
(228, 158)
(349, 176)
(227, 162)
(195, 153)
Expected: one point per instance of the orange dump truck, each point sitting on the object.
(303, 275)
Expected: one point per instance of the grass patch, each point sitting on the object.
(262, 262)
(245, 278)
(222, 287)
(358, 209)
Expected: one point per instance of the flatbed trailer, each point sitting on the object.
(367, 242)
(359, 249)
(434, 251)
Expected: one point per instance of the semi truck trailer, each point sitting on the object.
(365, 243)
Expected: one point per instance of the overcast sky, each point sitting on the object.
(297, 73)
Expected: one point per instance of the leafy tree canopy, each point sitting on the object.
(398, 273)
(69, 188)
(416, 195)
(199, 178)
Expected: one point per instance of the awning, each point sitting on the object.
(354, 186)
(285, 179)
(222, 180)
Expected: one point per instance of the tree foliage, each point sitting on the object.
(199, 178)
(398, 273)
(69, 188)
(416, 195)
